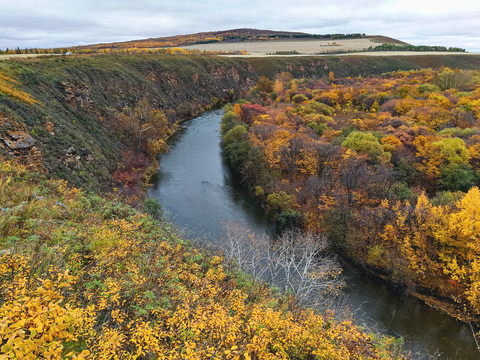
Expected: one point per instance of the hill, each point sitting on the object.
(236, 35)
(255, 42)
(243, 42)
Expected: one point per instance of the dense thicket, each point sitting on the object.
(388, 167)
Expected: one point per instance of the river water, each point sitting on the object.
(199, 194)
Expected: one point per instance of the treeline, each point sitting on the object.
(395, 47)
(19, 51)
(120, 51)
(388, 167)
(289, 36)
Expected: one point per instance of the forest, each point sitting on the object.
(388, 167)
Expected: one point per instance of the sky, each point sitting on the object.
(63, 23)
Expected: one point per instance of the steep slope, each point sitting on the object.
(80, 102)
(72, 116)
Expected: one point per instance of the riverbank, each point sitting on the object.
(425, 296)
(193, 177)
(346, 159)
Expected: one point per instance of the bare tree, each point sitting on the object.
(297, 263)
(247, 249)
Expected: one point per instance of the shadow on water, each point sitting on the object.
(199, 194)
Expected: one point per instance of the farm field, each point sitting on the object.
(21, 56)
(359, 53)
(307, 47)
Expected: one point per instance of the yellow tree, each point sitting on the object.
(331, 76)
(273, 147)
(430, 159)
(410, 235)
(458, 234)
(147, 127)
(278, 87)
(237, 110)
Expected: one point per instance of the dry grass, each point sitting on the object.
(21, 56)
(310, 47)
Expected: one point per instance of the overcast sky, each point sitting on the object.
(55, 23)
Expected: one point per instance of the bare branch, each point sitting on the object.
(296, 262)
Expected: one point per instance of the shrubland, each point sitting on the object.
(83, 277)
(99, 121)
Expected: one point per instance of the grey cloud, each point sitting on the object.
(62, 23)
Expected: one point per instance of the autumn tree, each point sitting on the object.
(285, 78)
(147, 126)
(451, 78)
(331, 77)
(368, 144)
(278, 87)
(264, 84)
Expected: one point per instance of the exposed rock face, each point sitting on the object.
(78, 95)
(15, 140)
(168, 77)
(14, 135)
(19, 140)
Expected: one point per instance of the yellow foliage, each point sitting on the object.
(134, 291)
(7, 87)
(273, 148)
(35, 318)
(404, 106)
(430, 158)
(390, 143)
(237, 110)
(278, 87)
(440, 100)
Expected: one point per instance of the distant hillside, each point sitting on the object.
(232, 42)
(234, 35)
(380, 39)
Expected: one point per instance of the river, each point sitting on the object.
(199, 194)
